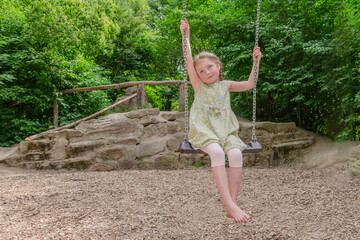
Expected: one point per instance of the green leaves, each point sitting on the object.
(50, 46)
(309, 72)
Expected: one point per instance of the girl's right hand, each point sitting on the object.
(184, 26)
(257, 54)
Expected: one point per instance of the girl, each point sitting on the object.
(213, 126)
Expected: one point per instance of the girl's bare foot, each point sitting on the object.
(237, 214)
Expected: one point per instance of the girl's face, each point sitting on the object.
(208, 71)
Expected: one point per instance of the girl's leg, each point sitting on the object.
(234, 178)
(234, 173)
(217, 157)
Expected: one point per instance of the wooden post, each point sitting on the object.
(56, 114)
(182, 98)
(141, 95)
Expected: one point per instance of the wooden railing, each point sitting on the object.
(140, 100)
(140, 92)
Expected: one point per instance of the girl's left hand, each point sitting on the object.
(257, 54)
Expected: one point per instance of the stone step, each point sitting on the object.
(32, 165)
(65, 133)
(13, 161)
(109, 122)
(289, 136)
(295, 144)
(35, 156)
(6, 153)
(34, 146)
(77, 148)
(276, 127)
(80, 163)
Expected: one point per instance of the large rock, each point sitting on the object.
(59, 149)
(152, 130)
(83, 148)
(145, 139)
(150, 147)
(101, 167)
(34, 146)
(169, 161)
(80, 163)
(8, 153)
(117, 152)
(142, 113)
(173, 116)
(172, 144)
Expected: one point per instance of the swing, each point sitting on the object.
(254, 146)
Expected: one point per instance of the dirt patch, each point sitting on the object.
(329, 154)
(6, 171)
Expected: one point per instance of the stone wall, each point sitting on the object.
(144, 139)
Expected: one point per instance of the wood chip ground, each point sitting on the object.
(284, 203)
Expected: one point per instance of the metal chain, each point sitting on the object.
(185, 73)
(185, 76)
(255, 71)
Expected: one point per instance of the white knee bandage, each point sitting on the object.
(235, 157)
(216, 154)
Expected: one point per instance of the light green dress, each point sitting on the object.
(212, 120)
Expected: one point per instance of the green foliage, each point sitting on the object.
(304, 77)
(49, 46)
(198, 164)
(155, 96)
(309, 72)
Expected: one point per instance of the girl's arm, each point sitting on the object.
(249, 84)
(194, 79)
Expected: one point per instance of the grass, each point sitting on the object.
(198, 164)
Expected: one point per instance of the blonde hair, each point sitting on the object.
(211, 57)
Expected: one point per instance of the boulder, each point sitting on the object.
(159, 129)
(59, 149)
(172, 144)
(101, 167)
(150, 147)
(82, 148)
(168, 161)
(146, 139)
(79, 163)
(116, 152)
(8, 153)
(142, 113)
(172, 116)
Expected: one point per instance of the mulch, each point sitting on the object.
(283, 203)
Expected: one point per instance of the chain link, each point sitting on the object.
(255, 71)
(185, 76)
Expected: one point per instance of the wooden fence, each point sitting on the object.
(140, 100)
(140, 92)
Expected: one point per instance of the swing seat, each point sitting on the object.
(185, 147)
(253, 147)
